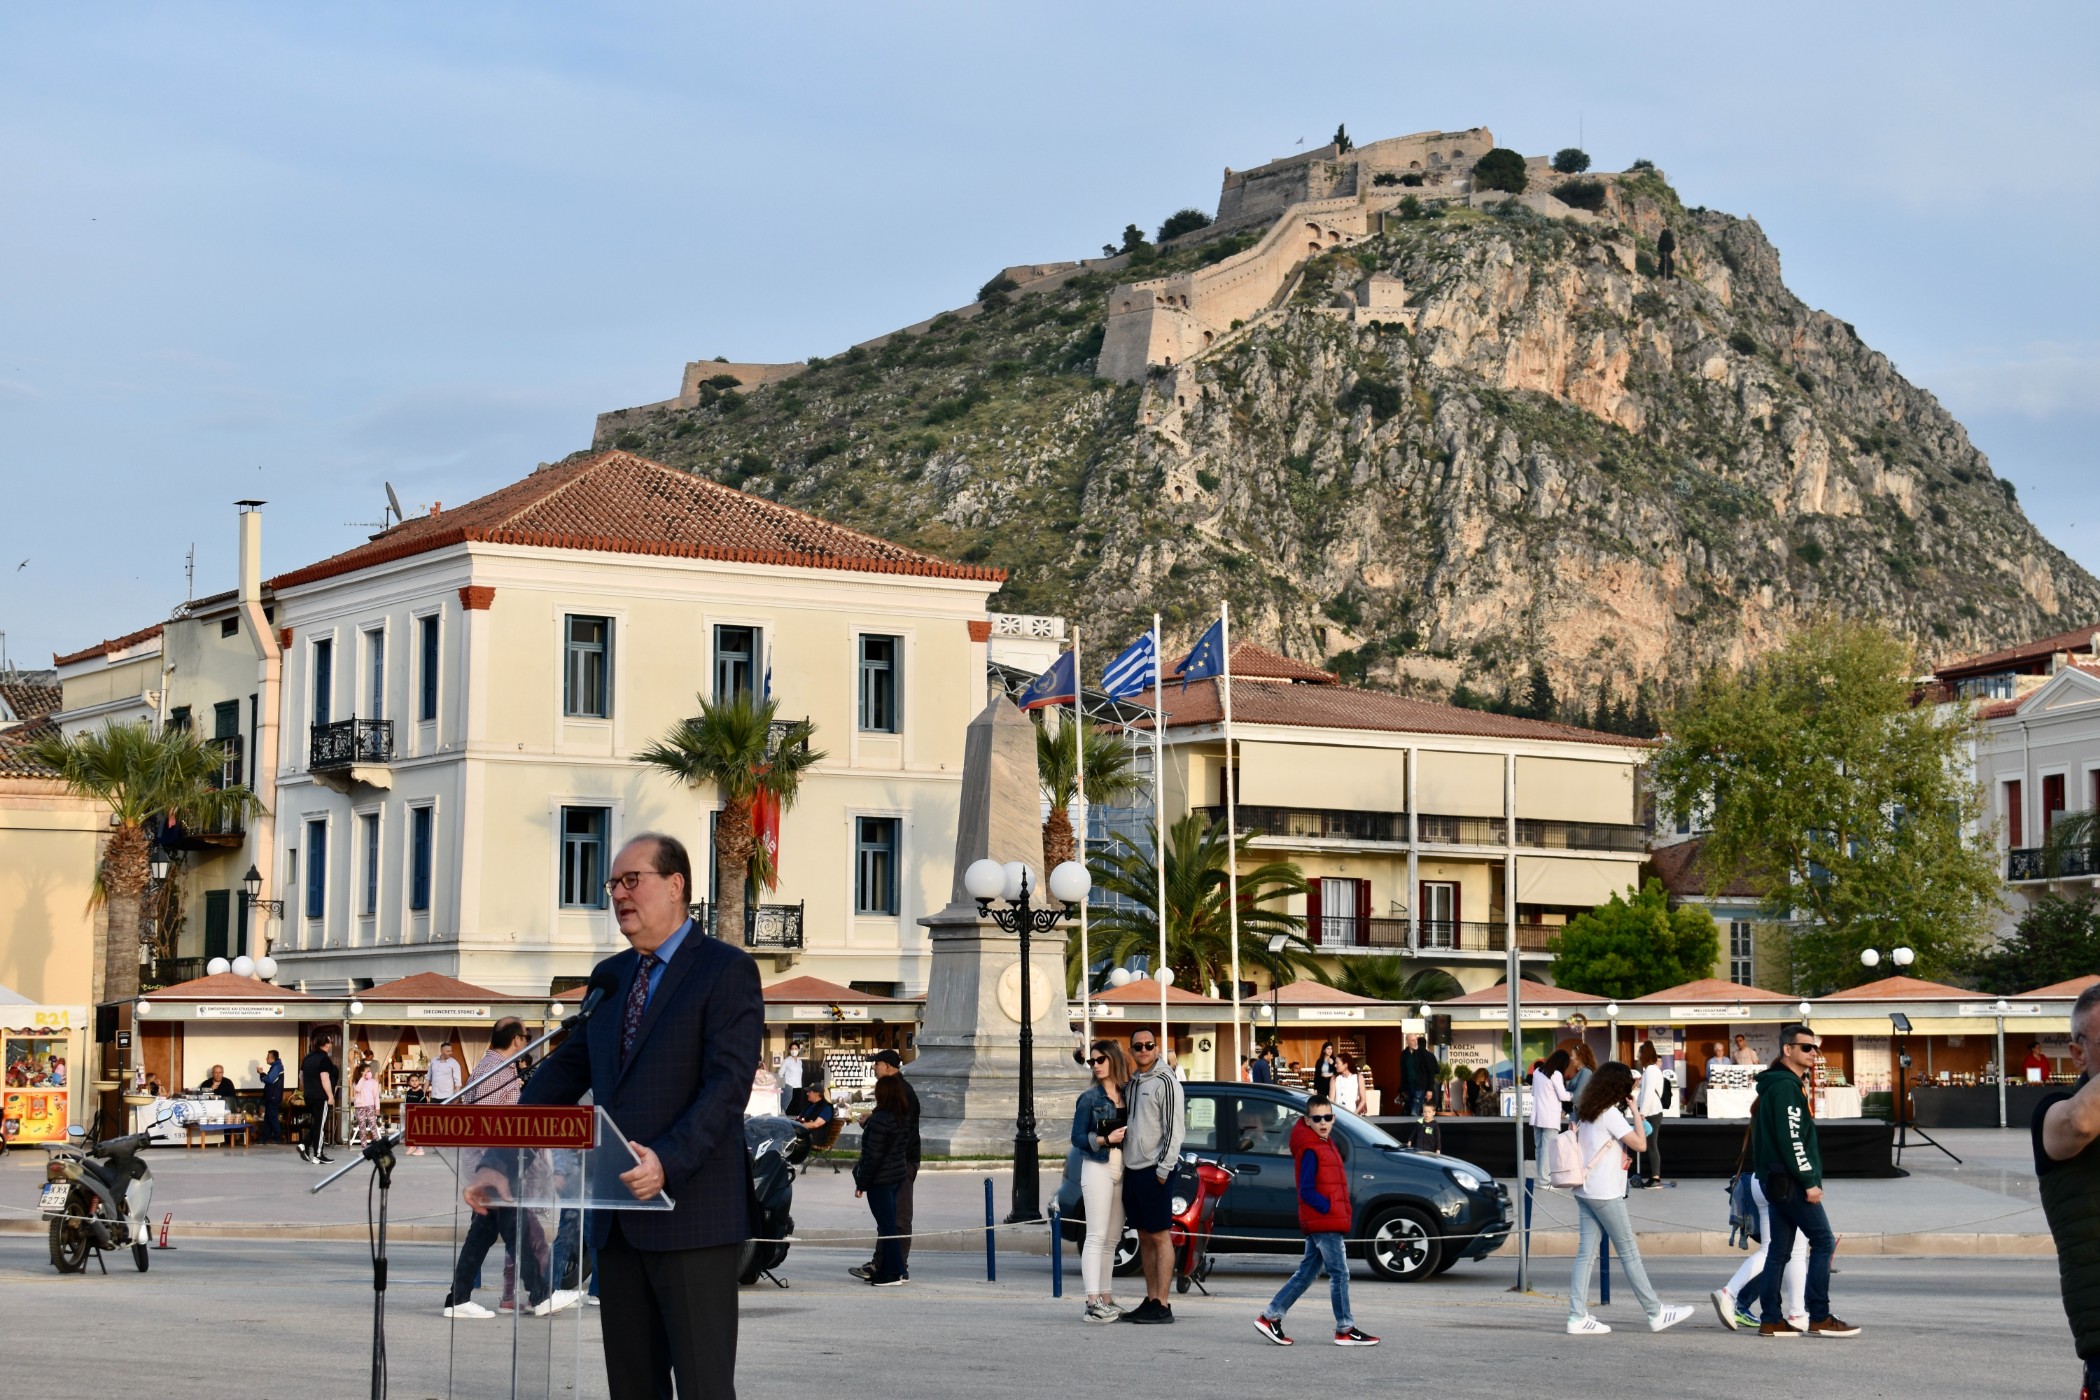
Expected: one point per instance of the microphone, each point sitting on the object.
(604, 982)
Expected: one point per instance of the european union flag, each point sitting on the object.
(1057, 686)
(1207, 657)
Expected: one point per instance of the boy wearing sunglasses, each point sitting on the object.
(1324, 1215)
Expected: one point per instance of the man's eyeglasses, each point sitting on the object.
(628, 881)
(1319, 1117)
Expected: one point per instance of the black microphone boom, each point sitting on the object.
(604, 982)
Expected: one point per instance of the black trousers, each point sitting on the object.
(668, 1313)
(311, 1131)
(903, 1223)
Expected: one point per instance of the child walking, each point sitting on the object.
(1324, 1215)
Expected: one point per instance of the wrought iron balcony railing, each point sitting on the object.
(2032, 863)
(1336, 931)
(765, 925)
(1320, 824)
(351, 742)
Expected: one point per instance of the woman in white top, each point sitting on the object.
(1347, 1090)
(1549, 1091)
(1651, 1108)
(1603, 1136)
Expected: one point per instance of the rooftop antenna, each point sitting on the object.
(394, 503)
(189, 575)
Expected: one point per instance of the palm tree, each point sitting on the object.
(1110, 779)
(733, 746)
(1199, 938)
(1389, 978)
(147, 779)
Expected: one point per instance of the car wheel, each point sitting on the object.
(1404, 1245)
(1126, 1260)
(1446, 1264)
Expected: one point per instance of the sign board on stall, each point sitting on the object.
(447, 1013)
(2011, 1008)
(1330, 1013)
(824, 1013)
(1524, 1013)
(1107, 1013)
(240, 1011)
(1708, 1013)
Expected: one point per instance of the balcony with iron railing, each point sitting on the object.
(1390, 828)
(766, 926)
(2033, 863)
(1344, 933)
(351, 743)
(1582, 836)
(1318, 824)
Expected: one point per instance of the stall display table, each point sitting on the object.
(199, 1135)
(1976, 1105)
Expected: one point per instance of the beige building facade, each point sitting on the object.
(49, 843)
(464, 696)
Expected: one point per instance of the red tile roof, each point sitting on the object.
(1345, 707)
(1309, 993)
(433, 986)
(1677, 867)
(2078, 639)
(2068, 990)
(1710, 989)
(32, 699)
(104, 648)
(1901, 988)
(15, 759)
(1145, 992)
(1529, 993)
(224, 986)
(618, 503)
(816, 989)
(1251, 662)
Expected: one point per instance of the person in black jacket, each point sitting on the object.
(890, 1065)
(885, 1161)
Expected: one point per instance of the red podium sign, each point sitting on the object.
(482, 1125)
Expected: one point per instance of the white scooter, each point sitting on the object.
(98, 1196)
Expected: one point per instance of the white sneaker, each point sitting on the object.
(557, 1301)
(468, 1309)
(1724, 1307)
(1586, 1326)
(591, 1298)
(1668, 1318)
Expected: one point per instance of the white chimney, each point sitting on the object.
(251, 550)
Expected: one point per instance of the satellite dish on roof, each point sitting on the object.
(394, 503)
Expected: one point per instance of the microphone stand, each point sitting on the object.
(380, 1153)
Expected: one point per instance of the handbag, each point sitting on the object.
(1566, 1169)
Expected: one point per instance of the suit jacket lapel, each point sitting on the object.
(674, 976)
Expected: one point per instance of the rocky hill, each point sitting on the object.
(1545, 455)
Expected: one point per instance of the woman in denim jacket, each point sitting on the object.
(1097, 1135)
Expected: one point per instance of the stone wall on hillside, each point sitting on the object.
(1267, 190)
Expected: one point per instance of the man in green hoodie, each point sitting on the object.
(1789, 1165)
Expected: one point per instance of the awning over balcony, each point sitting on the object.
(1318, 776)
(1573, 881)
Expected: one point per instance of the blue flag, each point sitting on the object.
(1135, 669)
(1207, 657)
(1056, 686)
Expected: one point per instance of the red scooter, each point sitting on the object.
(1192, 1224)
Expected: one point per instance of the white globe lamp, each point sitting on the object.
(1869, 958)
(357, 1008)
(1611, 1010)
(1069, 883)
(985, 879)
(1804, 1008)
(1119, 977)
(244, 966)
(217, 966)
(143, 1008)
(266, 967)
(1904, 957)
(1166, 976)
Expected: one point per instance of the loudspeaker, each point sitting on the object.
(1440, 1030)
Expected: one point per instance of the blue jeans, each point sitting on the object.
(889, 1249)
(1794, 1213)
(1603, 1220)
(1323, 1250)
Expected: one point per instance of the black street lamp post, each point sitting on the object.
(987, 880)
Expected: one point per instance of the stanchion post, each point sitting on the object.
(1057, 1254)
(991, 1237)
(1604, 1253)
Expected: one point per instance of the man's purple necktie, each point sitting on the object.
(637, 1002)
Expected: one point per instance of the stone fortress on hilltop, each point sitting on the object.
(1309, 203)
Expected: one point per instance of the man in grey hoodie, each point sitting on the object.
(1151, 1152)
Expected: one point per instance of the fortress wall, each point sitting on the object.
(747, 376)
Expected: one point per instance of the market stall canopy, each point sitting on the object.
(10, 997)
(1536, 1001)
(809, 1000)
(1312, 1001)
(433, 986)
(1900, 988)
(2067, 991)
(221, 996)
(1138, 1000)
(1934, 1008)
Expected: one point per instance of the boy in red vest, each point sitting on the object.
(1324, 1215)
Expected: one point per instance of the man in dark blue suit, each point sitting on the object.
(671, 1060)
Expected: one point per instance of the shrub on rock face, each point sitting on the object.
(1741, 343)
(1642, 164)
(1182, 221)
(1571, 161)
(995, 292)
(1410, 207)
(1500, 169)
(1581, 194)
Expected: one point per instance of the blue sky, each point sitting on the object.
(295, 251)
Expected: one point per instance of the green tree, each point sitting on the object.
(1539, 701)
(1133, 238)
(733, 747)
(1840, 801)
(147, 780)
(1570, 160)
(1630, 947)
(1199, 938)
(1342, 144)
(1110, 779)
(1500, 169)
(2056, 940)
(1390, 977)
(1183, 221)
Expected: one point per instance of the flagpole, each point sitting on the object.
(1159, 816)
(1086, 961)
(1232, 853)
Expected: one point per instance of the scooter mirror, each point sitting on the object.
(76, 1131)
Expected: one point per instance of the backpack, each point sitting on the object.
(1565, 1168)
(1744, 1229)
(1669, 1090)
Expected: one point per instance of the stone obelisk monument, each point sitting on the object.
(968, 1070)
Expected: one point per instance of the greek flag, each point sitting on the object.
(1057, 686)
(1135, 669)
(1207, 657)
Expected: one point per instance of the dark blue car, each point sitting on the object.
(1420, 1212)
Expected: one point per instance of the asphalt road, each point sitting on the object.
(217, 1319)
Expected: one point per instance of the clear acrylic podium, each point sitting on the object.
(553, 1192)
